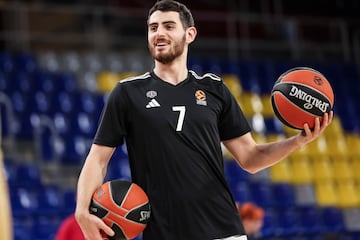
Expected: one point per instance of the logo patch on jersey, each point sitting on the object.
(153, 103)
(151, 94)
(200, 97)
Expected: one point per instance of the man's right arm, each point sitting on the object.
(91, 177)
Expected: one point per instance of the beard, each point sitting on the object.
(169, 56)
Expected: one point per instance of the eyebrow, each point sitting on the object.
(165, 22)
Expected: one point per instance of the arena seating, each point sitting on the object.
(316, 191)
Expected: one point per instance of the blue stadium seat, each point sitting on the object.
(248, 74)
(262, 195)
(230, 66)
(23, 202)
(266, 76)
(270, 224)
(212, 65)
(6, 62)
(25, 61)
(233, 172)
(20, 102)
(64, 102)
(195, 64)
(40, 102)
(241, 192)
(62, 124)
(45, 227)
(288, 221)
(20, 81)
(332, 219)
(84, 124)
(75, 150)
(47, 150)
(44, 81)
(66, 81)
(22, 227)
(4, 82)
(309, 220)
(284, 195)
(273, 126)
(50, 199)
(90, 102)
(28, 175)
(69, 201)
(119, 167)
(24, 125)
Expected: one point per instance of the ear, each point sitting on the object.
(190, 34)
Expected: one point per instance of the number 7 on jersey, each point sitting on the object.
(181, 110)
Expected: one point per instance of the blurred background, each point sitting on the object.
(60, 59)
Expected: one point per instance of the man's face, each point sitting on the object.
(166, 36)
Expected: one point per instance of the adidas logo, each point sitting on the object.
(152, 103)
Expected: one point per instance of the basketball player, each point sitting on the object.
(173, 122)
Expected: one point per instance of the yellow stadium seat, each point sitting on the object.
(341, 168)
(280, 172)
(317, 147)
(337, 146)
(125, 75)
(106, 81)
(325, 193)
(300, 170)
(335, 129)
(321, 167)
(347, 195)
(250, 103)
(274, 137)
(355, 167)
(353, 144)
(301, 152)
(259, 137)
(257, 123)
(233, 83)
(267, 110)
(290, 131)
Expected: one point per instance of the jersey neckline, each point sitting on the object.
(170, 84)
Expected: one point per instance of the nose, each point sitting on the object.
(160, 31)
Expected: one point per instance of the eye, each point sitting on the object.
(152, 28)
(170, 27)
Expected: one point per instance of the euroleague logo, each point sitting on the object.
(200, 97)
(318, 80)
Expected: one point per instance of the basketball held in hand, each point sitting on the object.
(300, 95)
(123, 206)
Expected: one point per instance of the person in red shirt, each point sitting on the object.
(252, 217)
(69, 229)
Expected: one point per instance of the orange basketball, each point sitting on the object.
(123, 206)
(300, 95)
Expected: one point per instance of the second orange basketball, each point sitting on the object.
(300, 95)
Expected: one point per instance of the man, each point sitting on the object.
(173, 122)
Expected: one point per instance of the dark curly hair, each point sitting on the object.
(186, 17)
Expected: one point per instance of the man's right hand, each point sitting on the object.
(92, 226)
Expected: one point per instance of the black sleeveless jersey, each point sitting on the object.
(173, 135)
